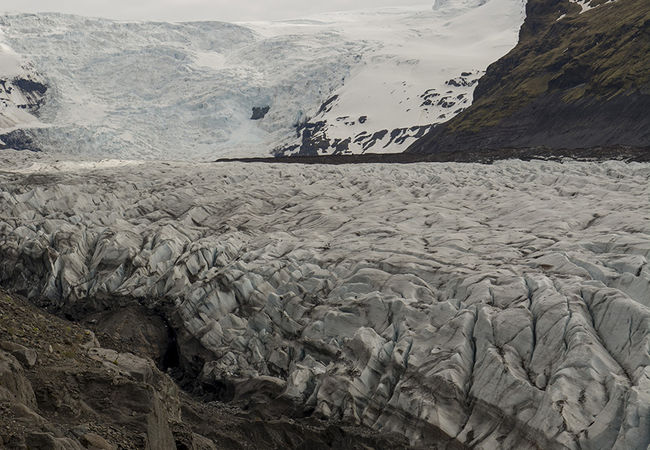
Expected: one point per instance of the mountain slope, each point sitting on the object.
(579, 78)
(375, 79)
(422, 71)
(22, 93)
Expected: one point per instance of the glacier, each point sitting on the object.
(354, 82)
(491, 306)
(459, 305)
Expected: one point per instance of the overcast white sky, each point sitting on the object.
(185, 10)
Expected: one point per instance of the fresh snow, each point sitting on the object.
(585, 5)
(10, 63)
(187, 90)
(506, 305)
(15, 105)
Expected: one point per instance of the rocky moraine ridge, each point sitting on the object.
(502, 306)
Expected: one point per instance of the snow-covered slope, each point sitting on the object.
(22, 91)
(503, 306)
(421, 70)
(359, 81)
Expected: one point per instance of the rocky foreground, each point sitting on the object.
(502, 306)
(59, 389)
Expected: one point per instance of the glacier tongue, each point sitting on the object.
(190, 90)
(502, 306)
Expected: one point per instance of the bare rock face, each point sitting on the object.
(26, 356)
(502, 306)
(13, 384)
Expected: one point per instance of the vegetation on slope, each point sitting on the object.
(575, 79)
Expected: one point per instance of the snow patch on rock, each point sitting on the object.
(585, 5)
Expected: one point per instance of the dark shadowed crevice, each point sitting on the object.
(171, 358)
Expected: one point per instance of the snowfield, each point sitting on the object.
(503, 306)
(19, 96)
(342, 82)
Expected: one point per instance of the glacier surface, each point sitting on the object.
(341, 82)
(501, 306)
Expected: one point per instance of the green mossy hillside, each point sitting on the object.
(578, 62)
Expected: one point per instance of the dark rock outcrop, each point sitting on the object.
(259, 112)
(314, 140)
(19, 140)
(575, 80)
(31, 86)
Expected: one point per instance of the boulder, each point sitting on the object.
(14, 386)
(26, 356)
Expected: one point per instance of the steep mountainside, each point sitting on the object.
(579, 78)
(351, 82)
(22, 93)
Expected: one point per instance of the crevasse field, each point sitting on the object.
(505, 305)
